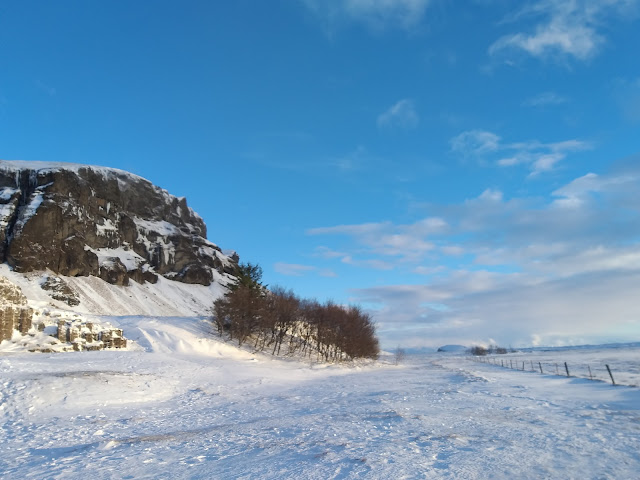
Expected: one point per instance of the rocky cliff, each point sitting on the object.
(80, 220)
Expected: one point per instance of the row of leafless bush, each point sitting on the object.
(490, 350)
(278, 321)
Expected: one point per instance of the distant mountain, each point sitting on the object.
(81, 220)
(452, 348)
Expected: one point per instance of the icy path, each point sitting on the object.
(180, 410)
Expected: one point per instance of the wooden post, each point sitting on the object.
(531, 365)
(540, 365)
(502, 363)
(511, 364)
(610, 374)
(566, 367)
(590, 375)
(557, 373)
(523, 366)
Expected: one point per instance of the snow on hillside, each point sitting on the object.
(166, 298)
(183, 405)
(95, 298)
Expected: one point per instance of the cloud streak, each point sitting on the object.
(566, 29)
(544, 99)
(375, 14)
(297, 270)
(405, 242)
(539, 157)
(626, 93)
(402, 114)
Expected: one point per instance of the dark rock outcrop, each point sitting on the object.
(59, 290)
(80, 220)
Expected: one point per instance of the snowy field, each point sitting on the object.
(584, 362)
(182, 406)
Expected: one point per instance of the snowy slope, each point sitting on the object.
(97, 297)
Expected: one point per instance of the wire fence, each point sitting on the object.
(596, 372)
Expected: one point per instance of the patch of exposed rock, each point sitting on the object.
(79, 335)
(15, 314)
(81, 220)
(59, 290)
(61, 331)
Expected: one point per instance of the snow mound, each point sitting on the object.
(190, 336)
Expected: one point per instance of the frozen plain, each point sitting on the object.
(182, 405)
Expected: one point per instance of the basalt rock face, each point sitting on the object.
(80, 220)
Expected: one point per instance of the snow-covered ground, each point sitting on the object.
(182, 405)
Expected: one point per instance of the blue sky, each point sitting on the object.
(469, 171)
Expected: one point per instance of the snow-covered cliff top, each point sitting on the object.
(17, 165)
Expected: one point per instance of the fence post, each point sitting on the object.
(511, 364)
(566, 367)
(531, 365)
(502, 363)
(590, 375)
(557, 373)
(523, 366)
(610, 374)
(540, 365)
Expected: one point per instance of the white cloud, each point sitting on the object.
(375, 264)
(491, 195)
(509, 310)
(544, 99)
(351, 161)
(402, 114)
(406, 242)
(328, 253)
(421, 270)
(376, 14)
(48, 89)
(539, 157)
(577, 40)
(546, 162)
(452, 250)
(567, 29)
(292, 269)
(556, 269)
(326, 272)
(357, 230)
(475, 142)
(626, 93)
(576, 193)
(298, 270)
